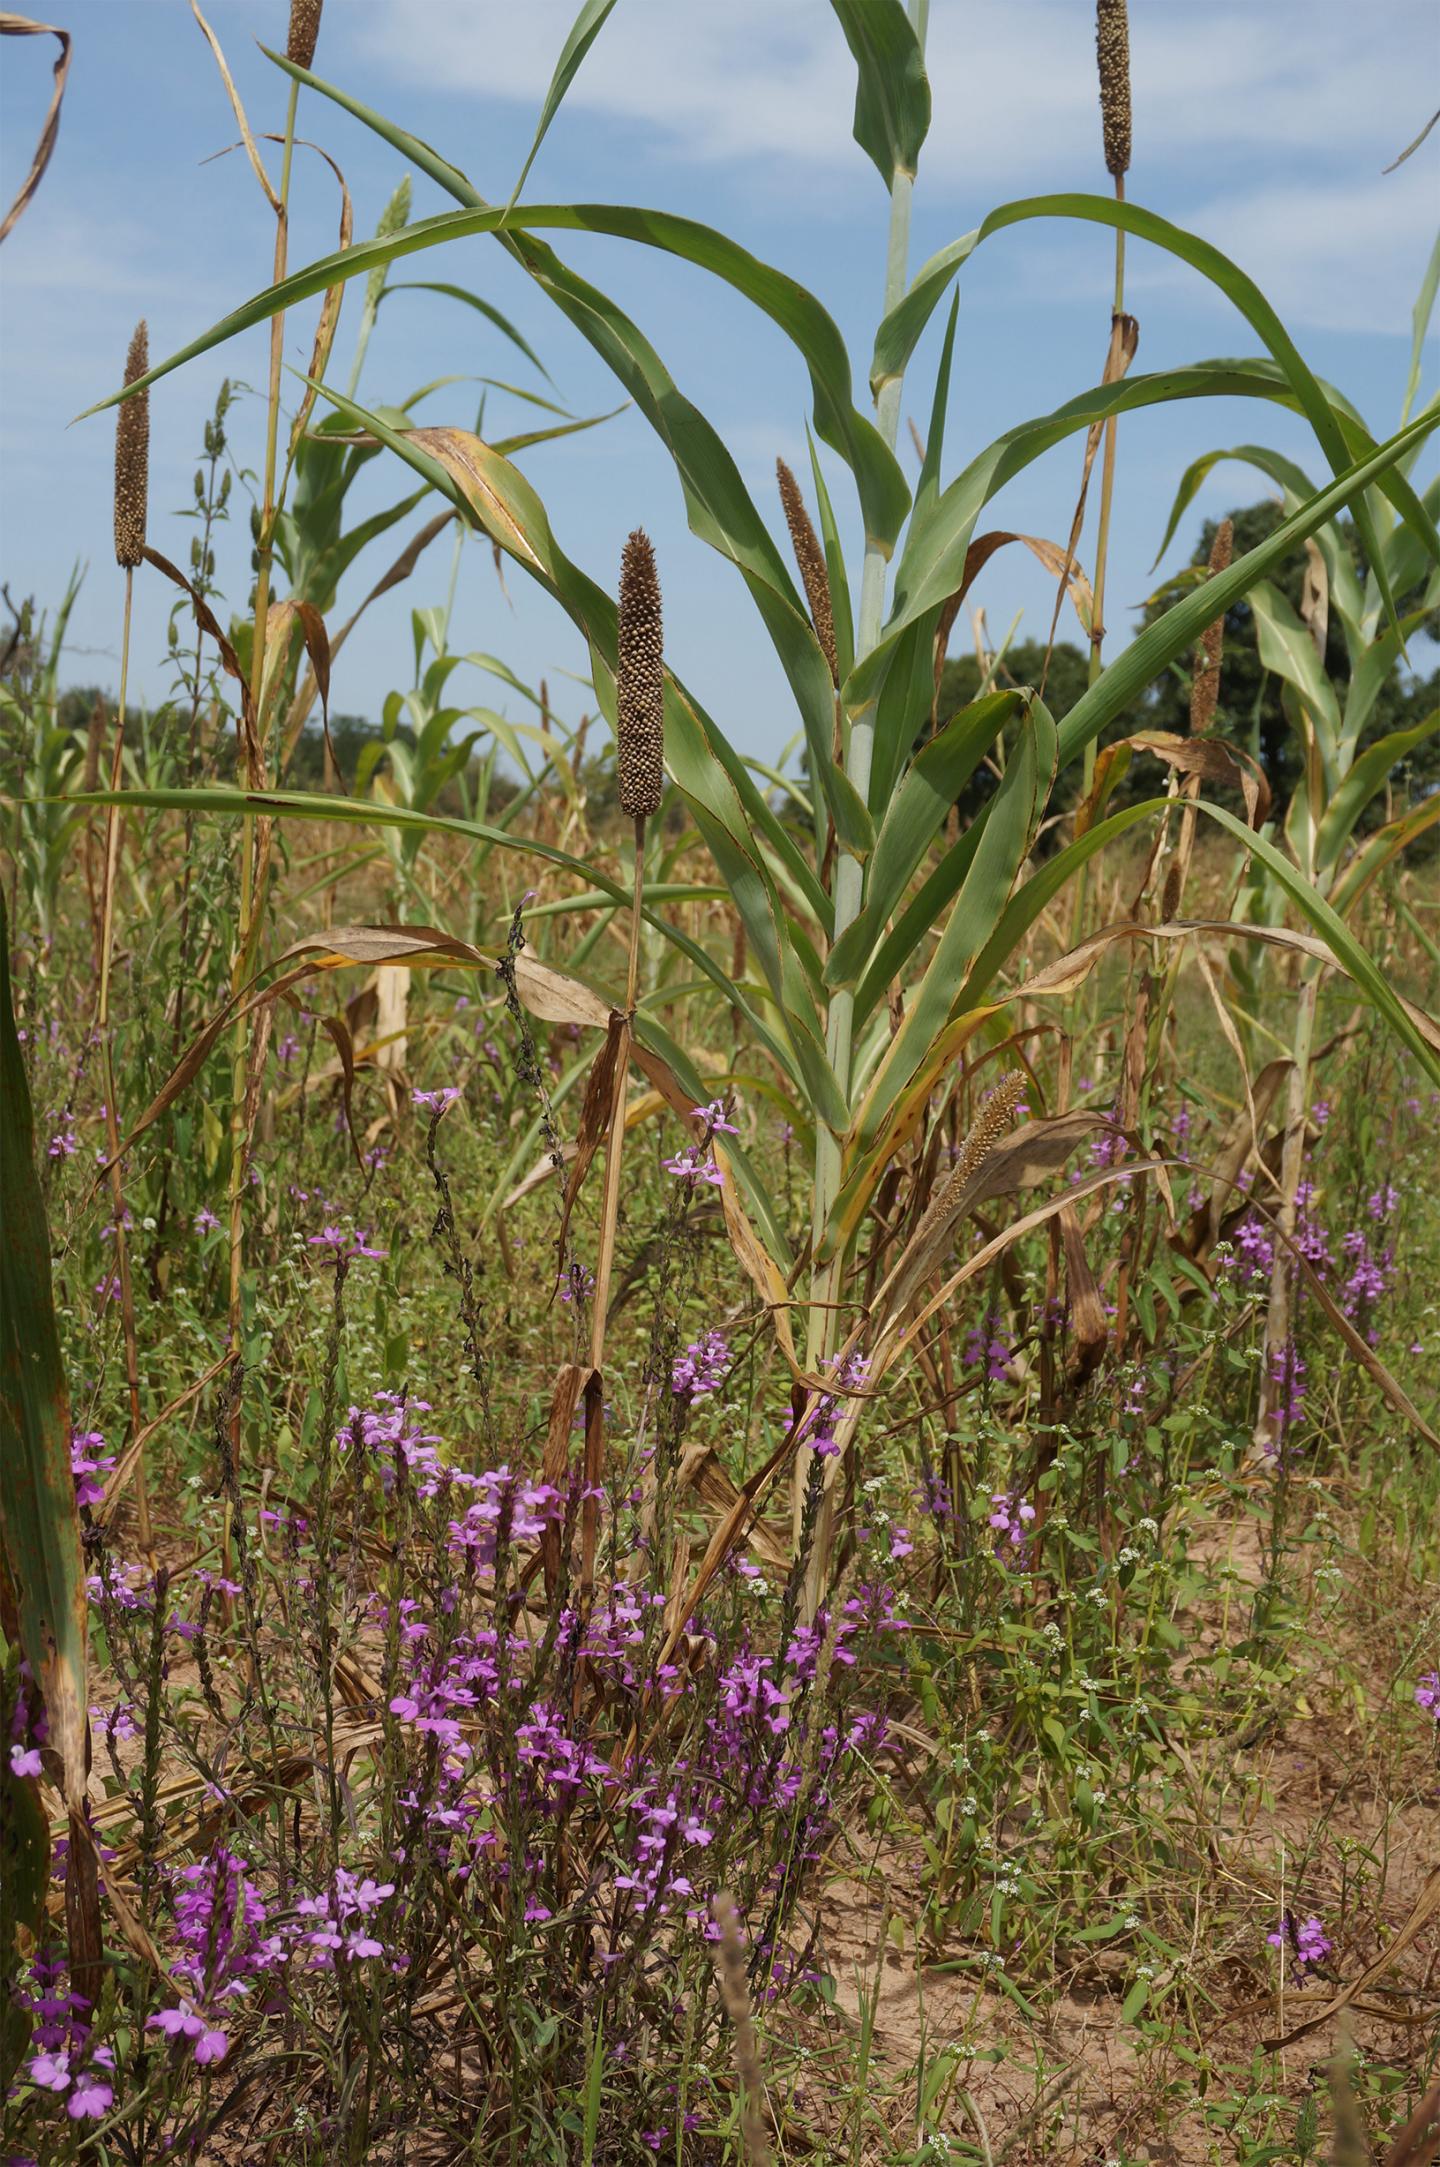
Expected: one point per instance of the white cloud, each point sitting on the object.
(1265, 128)
(1014, 80)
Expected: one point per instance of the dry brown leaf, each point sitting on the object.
(21, 26)
(555, 997)
(205, 617)
(1089, 1326)
(238, 109)
(594, 1115)
(570, 1381)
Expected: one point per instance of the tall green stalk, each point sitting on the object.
(857, 747)
(858, 739)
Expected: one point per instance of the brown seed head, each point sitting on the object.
(1205, 685)
(810, 557)
(132, 458)
(1112, 48)
(640, 682)
(985, 1133)
(304, 30)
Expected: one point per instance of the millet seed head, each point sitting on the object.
(304, 30)
(1205, 685)
(810, 558)
(985, 1131)
(132, 458)
(1112, 48)
(640, 682)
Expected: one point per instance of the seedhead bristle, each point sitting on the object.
(735, 1994)
(640, 682)
(1205, 685)
(810, 557)
(985, 1132)
(132, 458)
(1112, 49)
(304, 30)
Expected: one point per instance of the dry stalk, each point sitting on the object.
(640, 739)
(1204, 697)
(132, 486)
(735, 1994)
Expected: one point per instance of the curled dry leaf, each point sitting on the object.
(207, 620)
(21, 26)
(256, 163)
(1066, 568)
(570, 1382)
(1072, 969)
(1210, 759)
(1089, 1327)
(594, 1117)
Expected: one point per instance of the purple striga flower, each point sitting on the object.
(1287, 1378)
(714, 1119)
(1309, 1942)
(1427, 1693)
(436, 1102)
(1254, 1251)
(210, 2045)
(1011, 1521)
(88, 1460)
(702, 1367)
(26, 1761)
(340, 1244)
(117, 1722)
(62, 1145)
(693, 1164)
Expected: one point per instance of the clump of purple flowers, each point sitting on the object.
(1427, 1693)
(89, 1461)
(817, 1428)
(1308, 1941)
(701, 1368)
(986, 1342)
(1011, 1519)
(62, 2060)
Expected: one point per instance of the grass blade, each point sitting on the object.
(585, 29)
(892, 95)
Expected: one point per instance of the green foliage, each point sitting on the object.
(1251, 706)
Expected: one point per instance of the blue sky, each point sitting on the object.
(1264, 128)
